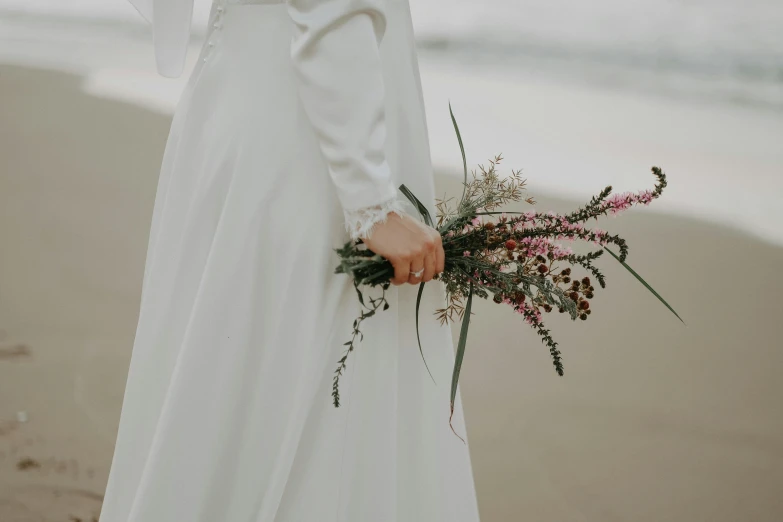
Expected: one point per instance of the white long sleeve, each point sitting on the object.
(335, 52)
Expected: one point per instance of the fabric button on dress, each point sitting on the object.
(217, 25)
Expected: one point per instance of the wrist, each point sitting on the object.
(360, 222)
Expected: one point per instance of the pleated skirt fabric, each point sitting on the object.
(228, 414)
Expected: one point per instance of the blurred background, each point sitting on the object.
(654, 420)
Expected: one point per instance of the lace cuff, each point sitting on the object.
(360, 222)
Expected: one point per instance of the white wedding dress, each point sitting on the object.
(298, 116)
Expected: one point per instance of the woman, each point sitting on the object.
(299, 120)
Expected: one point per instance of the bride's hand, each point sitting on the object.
(410, 246)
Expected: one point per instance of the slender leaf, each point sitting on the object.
(359, 293)
(464, 160)
(425, 214)
(418, 338)
(463, 338)
(639, 278)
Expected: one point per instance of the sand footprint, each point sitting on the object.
(61, 502)
(54, 466)
(38, 503)
(11, 351)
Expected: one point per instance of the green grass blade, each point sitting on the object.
(641, 280)
(463, 338)
(464, 160)
(421, 351)
(425, 214)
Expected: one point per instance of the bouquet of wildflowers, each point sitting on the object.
(517, 259)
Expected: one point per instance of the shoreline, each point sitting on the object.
(149, 92)
(571, 137)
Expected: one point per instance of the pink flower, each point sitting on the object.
(600, 237)
(561, 252)
(573, 227)
(616, 203)
(532, 316)
(645, 197)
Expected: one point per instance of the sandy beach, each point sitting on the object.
(654, 421)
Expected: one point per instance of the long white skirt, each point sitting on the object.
(228, 413)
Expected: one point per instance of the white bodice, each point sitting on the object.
(335, 52)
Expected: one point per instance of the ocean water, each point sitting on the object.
(727, 50)
(579, 94)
